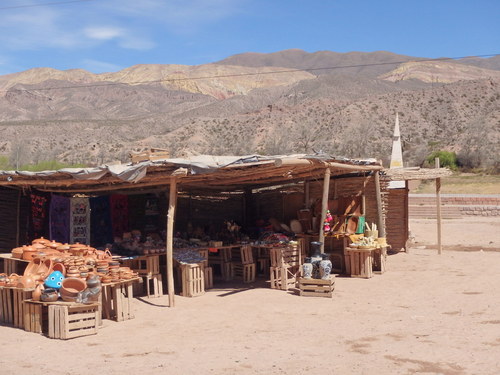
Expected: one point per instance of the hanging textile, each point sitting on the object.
(101, 232)
(60, 218)
(119, 214)
(80, 221)
(39, 215)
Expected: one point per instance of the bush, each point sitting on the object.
(446, 159)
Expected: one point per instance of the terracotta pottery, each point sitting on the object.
(26, 282)
(53, 244)
(32, 267)
(29, 252)
(12, 280)
(72, 286)
(63, 248)
(37, 292)
(45, 268)
(59, 267)
(17, 252)
(40, 240)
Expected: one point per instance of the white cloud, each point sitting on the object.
(103, 32)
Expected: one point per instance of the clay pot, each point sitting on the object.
(17, 252)
(29, 252)
(49, 295)
(37, 292)
(40, 240)
(26, 282)
(53, 245)
(72, 286)
(63, 248)
(59, 267)
(12, 280)
(32, 267)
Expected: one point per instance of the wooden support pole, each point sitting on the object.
(438, 204)
(307, 194)
(324, 207)
(172, 202)
(380, 213)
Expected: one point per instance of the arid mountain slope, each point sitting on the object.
(226, 108)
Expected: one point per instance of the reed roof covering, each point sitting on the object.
(203, 172)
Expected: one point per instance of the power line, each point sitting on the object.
(43, 4)
(246, 74)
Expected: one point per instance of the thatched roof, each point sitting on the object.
(198, 172)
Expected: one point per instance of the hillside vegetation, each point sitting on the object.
(257, 103)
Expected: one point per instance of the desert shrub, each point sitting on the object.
(446, 159)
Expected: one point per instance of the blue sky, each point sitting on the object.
(109, 35)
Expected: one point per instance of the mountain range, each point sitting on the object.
(283, 102)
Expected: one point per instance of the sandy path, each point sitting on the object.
(427, 314)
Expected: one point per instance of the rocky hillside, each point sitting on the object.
(256, 103)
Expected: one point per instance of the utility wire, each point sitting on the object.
(43, 4)
(104, 84)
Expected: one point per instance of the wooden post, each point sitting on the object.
(380, 214)
(324, 207)
(438, 203)
(307, 189)
(172, 202)
(18, 226)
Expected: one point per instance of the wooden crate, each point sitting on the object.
(192, 280)
(67, 322)
(11, 305)
(245, 271)
(35, 317)
(361, 262)
(145, 265)
(116, 300)
(209, 277)
(61, 320)
(281, 278)
(317, 287)
(6, 311)
(13, 265)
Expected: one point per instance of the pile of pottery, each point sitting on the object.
(117, 273)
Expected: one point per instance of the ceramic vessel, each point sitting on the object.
(26, 282)
(307, 270)
(37, 292)
(325, 268)
(49, 295)
(72, 286)
(40, 240)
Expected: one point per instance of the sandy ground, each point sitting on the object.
(428, 314)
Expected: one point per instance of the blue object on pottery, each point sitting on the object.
(54, 280)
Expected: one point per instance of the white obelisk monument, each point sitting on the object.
(397, 155)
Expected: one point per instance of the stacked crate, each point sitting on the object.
(222, 258)
(285, 267)
(207, 270)
(243, 264)
(148, 268)
(11, 305)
